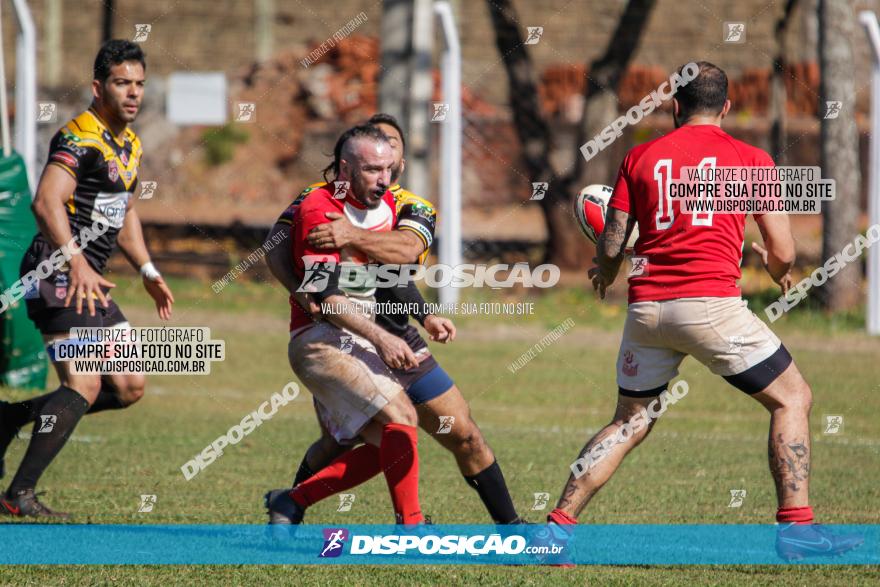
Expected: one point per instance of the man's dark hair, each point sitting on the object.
(361, 131)
(705, 94)
(383, 118)
(114, 52)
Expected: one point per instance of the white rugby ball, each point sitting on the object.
(590, 207)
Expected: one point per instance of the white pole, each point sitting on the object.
(264, 15)
(869, 21)
(4, 107)
(26, 90)
(450, 162)
(418, 176)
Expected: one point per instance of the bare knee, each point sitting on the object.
(801, 397)
(324, 451)
(399, 411)
(408, 415)
(88, 387)
(467, 441)
(131, 389)
(632, 425)
(788, 392)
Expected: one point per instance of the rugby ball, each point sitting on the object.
(590, 207)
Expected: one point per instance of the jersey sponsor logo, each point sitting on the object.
(420, 209)
(124, 158)
(420, 229)
(71, 146)
(70, 136)
(111, 207)
(113, 170)
(65, 159)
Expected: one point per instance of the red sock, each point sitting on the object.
(557, 516)
(399, 456)
(349, 470)
(802, 515)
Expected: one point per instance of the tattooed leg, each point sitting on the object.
(597, 471)
(789, 400)
(790, 466)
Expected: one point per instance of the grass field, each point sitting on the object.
(712, 441)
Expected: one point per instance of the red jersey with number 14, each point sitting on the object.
(682, 255)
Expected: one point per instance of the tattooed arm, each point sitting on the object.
(609, 250)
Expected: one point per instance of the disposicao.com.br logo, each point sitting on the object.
(318, 272)
(334, 539)
(431, 544)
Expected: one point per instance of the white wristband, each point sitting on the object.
(149, 271)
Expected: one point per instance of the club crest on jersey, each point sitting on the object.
(124, 158)
(113, 170)
(61, 282)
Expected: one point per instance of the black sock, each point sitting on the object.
(492, 489)
(20, 413)
(107, 399)
(53, 426)
(304, 472)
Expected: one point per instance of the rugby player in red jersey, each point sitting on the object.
(684, 300)
(436, 397)
(90, 176)
(344, 359)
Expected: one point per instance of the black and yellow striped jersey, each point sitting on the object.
(105, 169)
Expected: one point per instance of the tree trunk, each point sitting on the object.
(566, 246)
(839, 148)
(107, 10)
(778, 94)
(605, 74)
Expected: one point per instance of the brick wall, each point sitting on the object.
(220, 34)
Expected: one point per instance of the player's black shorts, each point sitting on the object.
(428, 380)
(45, 302)
(61, 320)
